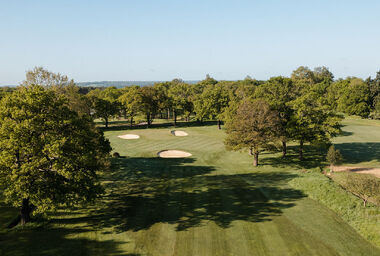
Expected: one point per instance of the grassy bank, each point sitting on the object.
(350, 208)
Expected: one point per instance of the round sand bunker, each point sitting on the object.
(129, 136)
(173, 154)
(179, 133)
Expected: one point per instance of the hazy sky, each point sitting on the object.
(161, 40)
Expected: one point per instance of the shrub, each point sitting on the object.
(364, 186)
(334, 157)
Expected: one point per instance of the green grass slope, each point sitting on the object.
(213, 203)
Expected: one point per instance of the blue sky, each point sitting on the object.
(162, 40)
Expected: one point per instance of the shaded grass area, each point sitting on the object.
(166, 192)
(214, 203)
(56, 241)
(359, 152)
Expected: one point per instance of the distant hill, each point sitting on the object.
(120, 84)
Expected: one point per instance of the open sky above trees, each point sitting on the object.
(162, 40)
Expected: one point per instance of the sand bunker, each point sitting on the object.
(129, 136)
(374, 171)
(179, 133)
(173, 154)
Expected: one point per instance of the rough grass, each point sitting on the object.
(320, 188)
(213, 203)
(341, 179)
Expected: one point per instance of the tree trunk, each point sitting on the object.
(175, 117)
(283, 148)
(25, 211)
(219, 125)
(106, 120)
(148, 119)
(131, 121)
(168, 114)
(256, 158)
(250, 152)
(301, 150)
(365, 202)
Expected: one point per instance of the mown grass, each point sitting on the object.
(214, 203)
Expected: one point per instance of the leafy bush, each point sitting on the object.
(334, 156)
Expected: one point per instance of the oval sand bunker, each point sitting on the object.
(173, 154)
(129, 136)
(179, 133)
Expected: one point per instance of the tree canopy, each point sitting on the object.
(49, 155)
(254, 126)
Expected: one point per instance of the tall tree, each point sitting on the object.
(213, 102)
(149, 103)
(312, 121)
(131, 101)
(374, 90)
(46, 78)
(303, 75)
(322, 74)
(354, 98)
(102, 106)
(254, 126)
(278, 92)
(60, 84)
(49, 155)
(164, 101)
(179, 94)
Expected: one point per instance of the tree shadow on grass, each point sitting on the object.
(356, 152)
(127, 168)
(313, 157)
(55, 241)
(187, 196)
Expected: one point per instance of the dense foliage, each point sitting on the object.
(49, 154)
(254, 126)
(306, 103)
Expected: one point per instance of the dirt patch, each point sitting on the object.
(129, 136)
(179, 133)
(173, 154)
(373, 171)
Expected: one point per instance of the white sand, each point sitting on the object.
(173, 154)
(129, 136)
(179, 133)
(374, 171)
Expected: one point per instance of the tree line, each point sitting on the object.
(304, 107)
